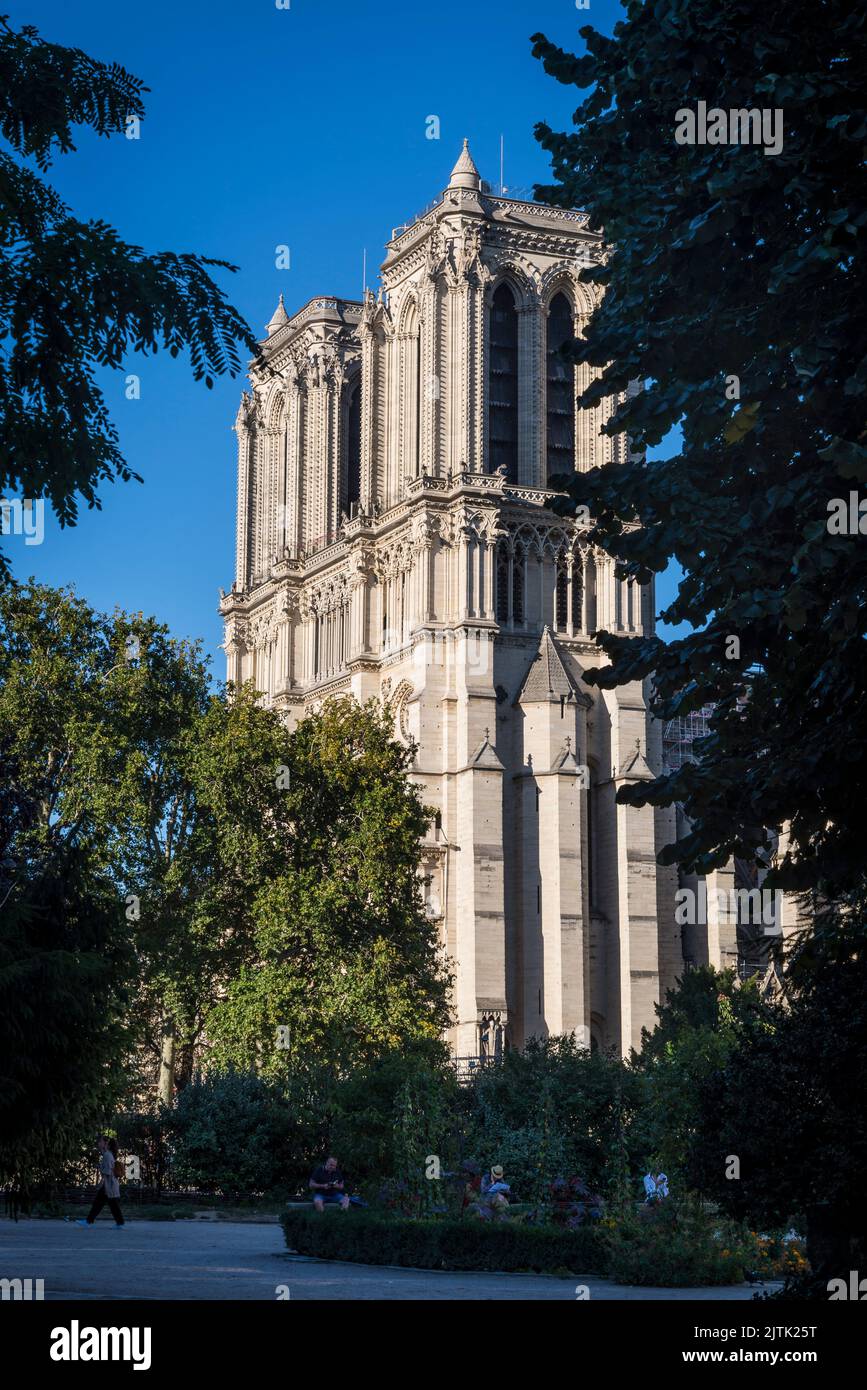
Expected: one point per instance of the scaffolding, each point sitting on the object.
(679, 735)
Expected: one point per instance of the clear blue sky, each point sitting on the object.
(265, 126)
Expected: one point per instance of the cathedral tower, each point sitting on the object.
(395, 540)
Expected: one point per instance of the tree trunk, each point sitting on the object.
(167, 1063)
(184, 1066)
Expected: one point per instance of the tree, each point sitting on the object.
(733, 290)
(117, 752)
(73, 295)
(265, 878)
(215, 827)
(703, 1023)
(347, 961)
(66, 972)
(69, 738)
(787, 1098)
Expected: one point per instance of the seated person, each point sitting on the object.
(495, 1191)
(327, 1184)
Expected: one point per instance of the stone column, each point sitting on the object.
(359, 603)
(294, 529)
(242, 532)
(371, 484)
(464, 582)
(490, 548)
(480, 928)
(722, 918)
(308, 619)
(635, 964)
(393, 462)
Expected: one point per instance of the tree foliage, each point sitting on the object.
(74, 297)
(788, 1097)
(702, 1024)
(555, 1109)
(119, 758)
(66, 973)
(346, 958)
(233, 1132)
(261, 877)
(729, 263)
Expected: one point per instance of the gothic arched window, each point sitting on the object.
(409, 375)
(502, 584)
(577, 596)
(560, 384)
(561, 607)
(353, 448)
(518, 586)
(503, 384)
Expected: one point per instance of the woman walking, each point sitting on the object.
(109, 1188)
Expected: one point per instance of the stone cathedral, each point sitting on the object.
(395, 540)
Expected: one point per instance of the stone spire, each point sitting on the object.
(547, 677)
(465, 174)
(485, 755)
(278, 318)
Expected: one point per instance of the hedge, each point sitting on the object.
(367, 1238)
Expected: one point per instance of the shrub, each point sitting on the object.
(233, 1132)
(571, 1203)
(143, 1137)
(778, 1256)
(369, 1238)
(390, 1114)
(677, 1244)
(555, 1108)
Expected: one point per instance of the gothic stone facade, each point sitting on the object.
(395, 540)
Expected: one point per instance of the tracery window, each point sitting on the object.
(353, 448)
(561, 617)
(560, 392)
(502, 584)
(518, 586)
(503, 384)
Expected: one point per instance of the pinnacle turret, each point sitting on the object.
(278, 318)
(465, 174)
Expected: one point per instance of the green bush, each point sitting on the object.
(389, 1115)
(555, 1110)
(678, 1244)
(233, 1132)
(368, 1238)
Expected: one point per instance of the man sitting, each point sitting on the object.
(326, 1184)
(495, 1194)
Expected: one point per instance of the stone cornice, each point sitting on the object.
(327, 308)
